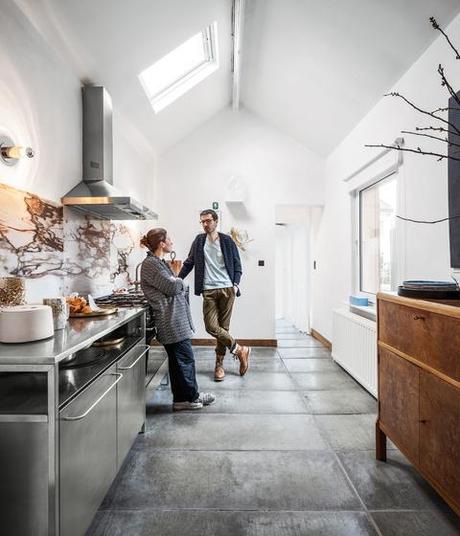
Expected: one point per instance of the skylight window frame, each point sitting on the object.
(179, 87)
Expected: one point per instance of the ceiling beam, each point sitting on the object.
(237, 27)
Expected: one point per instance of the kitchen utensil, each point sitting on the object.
(25, 323)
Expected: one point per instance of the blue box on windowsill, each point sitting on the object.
(361, 301)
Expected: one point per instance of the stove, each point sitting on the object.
(132, 298)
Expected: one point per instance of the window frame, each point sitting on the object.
(186, 82)
(387, 178)
(400, 238)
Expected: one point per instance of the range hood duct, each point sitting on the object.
(95, 194)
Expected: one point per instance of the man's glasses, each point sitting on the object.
(204, 222)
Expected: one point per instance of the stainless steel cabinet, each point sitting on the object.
(88, 452)
(131, 398)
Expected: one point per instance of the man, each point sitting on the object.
(218, 272)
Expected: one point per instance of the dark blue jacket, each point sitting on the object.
(195, 260)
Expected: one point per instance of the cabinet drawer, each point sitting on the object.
(399, 401)
(431, 338)
(131, 398)
(88, 452)
(439, 433)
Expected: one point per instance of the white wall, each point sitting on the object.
(423, 184)
(275, 169)
(40, 106)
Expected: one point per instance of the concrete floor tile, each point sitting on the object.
(349, 401)
(240, 401)
(209, 523)
(323, 381)
(253, 379)
(310, 365)
(296, 353)
(394, 485)
(299, 343)
(200, 431)
(294, 336)
(418, 523)
(208, 352)
(257, 364)
(349, 432)
(310, 480)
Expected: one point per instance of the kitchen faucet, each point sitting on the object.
(137, 282)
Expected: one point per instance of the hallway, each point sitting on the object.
(286, 450)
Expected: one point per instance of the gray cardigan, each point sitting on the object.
(166, 294)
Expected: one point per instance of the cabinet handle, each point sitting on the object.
(83, 415)
(146, 349)
(418, 317)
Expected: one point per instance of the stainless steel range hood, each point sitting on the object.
(95, 194)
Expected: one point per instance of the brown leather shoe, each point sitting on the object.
(219, 372)
(242, 353)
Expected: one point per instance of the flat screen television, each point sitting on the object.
(454, 184)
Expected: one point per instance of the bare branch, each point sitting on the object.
(438, 129)
(415, 107)
(445, 140)
(445, 83)
(417, 151)
(447, 109)
(437, 27)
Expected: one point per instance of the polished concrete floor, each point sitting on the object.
(285, 450)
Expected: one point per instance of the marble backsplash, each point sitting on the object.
(59, 250)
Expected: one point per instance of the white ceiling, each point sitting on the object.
(311, 68)
(314, 68)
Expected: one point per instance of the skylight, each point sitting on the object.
(181, 69)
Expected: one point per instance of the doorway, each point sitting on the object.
(293, 265)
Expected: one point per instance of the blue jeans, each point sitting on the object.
(182, 371)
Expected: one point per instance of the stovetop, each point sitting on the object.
(131, 298)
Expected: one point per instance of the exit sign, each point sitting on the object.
(215, 205)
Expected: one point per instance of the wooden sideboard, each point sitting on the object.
(419, 387)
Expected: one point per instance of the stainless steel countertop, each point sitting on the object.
(79, 333)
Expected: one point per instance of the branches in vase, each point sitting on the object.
(441, 125)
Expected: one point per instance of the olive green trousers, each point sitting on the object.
(217, 312)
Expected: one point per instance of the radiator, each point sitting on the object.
(354, 347)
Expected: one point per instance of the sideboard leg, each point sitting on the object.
(380, 444)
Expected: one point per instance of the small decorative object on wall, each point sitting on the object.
(11, 153)
(240, 237)
(237, 190)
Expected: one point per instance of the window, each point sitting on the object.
(377, 217)
(181, 69)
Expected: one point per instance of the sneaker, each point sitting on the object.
(206, 399)
(180, 406)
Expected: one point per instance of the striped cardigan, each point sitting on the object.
(166, 295)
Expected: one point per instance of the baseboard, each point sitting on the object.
(321, 339)
(245, 342)
(272, 343)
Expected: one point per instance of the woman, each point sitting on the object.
(167, 296)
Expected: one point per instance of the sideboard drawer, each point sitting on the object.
(431, 338)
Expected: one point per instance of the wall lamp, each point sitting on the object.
(11, 153)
